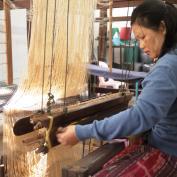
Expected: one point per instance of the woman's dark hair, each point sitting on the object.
(151, 13)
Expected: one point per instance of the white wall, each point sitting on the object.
(19, 45)
(3, 65)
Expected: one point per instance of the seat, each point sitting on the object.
(93, 162)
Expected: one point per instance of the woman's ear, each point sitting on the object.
(162, 27)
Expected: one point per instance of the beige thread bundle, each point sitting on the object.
(28, 96)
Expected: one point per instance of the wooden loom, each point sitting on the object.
(80, 113)
(36, 130)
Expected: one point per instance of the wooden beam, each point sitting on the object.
(19, 4)
(172, 1)
(116, 3)
(123, 18)
(22, 4)
(110, 34)
(102, 36)
(129, 3)
(1, 5)
(8, 43)
(122, 3)
(93, 162)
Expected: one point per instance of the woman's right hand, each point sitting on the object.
(67, 135)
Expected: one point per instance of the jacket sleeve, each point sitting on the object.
(159, 93)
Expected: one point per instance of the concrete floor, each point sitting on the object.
(1, 134)
(12, 88)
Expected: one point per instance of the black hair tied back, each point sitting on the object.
(170, 20)
(151, 13)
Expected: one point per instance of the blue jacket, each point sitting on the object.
(155, 110)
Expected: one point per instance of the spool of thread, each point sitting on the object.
(125, 33)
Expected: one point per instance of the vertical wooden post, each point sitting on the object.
(110, 34)
(102, 36)
(8, 42)
(29, 21)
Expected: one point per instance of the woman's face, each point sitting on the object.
(149, 40)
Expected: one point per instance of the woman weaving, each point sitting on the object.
(154, 25)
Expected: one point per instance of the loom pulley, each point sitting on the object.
(50, 102)
(39, 122)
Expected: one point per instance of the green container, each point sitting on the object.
(131, 54)
(114, 31)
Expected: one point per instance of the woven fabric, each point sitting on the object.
(140, 161)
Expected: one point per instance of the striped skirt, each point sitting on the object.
(140, 161)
